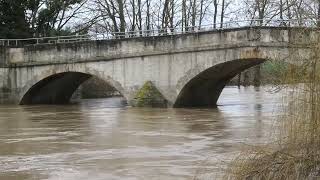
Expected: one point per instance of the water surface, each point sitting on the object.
(102, 139)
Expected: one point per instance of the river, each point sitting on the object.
(103, 139)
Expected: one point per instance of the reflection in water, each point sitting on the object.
(104, 139)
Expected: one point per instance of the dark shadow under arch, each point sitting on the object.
(204, 89)
(55, 89)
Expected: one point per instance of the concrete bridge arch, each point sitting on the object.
(56, 85)
(204, 89)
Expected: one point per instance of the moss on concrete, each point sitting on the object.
(149, 96)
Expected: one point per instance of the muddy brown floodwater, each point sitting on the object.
(104, 140)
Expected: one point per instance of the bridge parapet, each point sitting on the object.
(104, 50)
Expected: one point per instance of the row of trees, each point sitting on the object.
(132, 15)
(34, 18)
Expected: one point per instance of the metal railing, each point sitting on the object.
(162, 32)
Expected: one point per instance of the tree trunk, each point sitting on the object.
(201, 13)
(184, 15)
(148, 15)
(112, 16)
(194, 13)
(257, 76)
(172, 15)
(133, 27)
(282, 23)
(239, 80)
(215, 3)
(165, 15)
(139, 17)
(222, 13)
(246, 80)
(121, 17)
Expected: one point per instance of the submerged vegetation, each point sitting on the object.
(295, 152)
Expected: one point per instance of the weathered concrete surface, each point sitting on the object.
(188, 70)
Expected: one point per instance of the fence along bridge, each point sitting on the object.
(187, 68)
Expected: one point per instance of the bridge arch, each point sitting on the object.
(58, 86)
(204, 88)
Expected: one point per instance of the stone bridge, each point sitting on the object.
(189, 70)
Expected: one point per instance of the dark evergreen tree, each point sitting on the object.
(13, 23)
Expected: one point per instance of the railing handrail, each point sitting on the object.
(161, 32)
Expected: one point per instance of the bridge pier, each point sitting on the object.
(149, 96)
